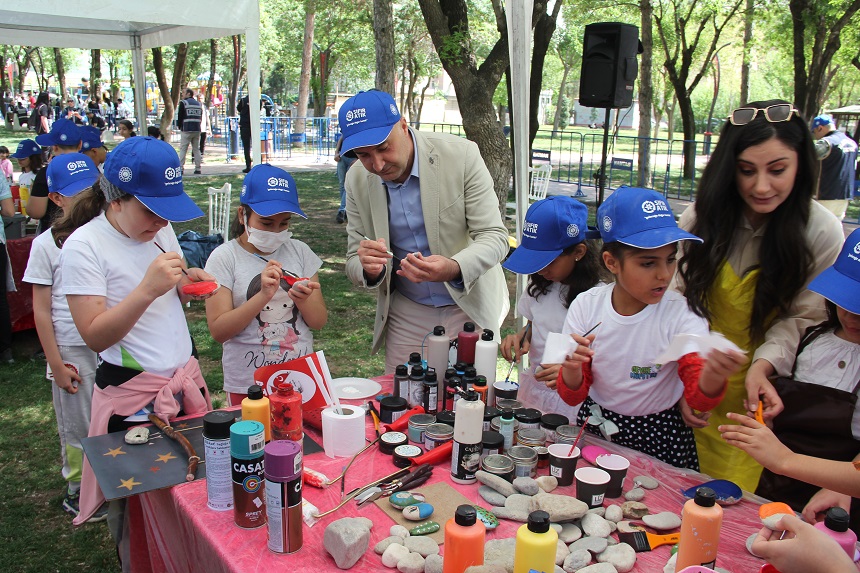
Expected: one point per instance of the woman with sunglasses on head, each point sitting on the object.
(764, 240)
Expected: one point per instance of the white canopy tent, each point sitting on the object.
(144, 25)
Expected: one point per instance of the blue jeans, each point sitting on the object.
(342, 167)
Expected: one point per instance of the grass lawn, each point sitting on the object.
(34, 530)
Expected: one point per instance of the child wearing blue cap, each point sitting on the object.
(261, 314)
(561, 264)
(71, 365)
(28, 154)
(123, 276)
(629, 398)
(819, 429)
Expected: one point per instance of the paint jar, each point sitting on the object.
(489, 414)
(500, 465)
(528, 417)
(216, 444)
(503, 403)
(284, 495)
(247, 440)
(403, 455)
(391, 408)
(566, 434)
(286, 406)
(446, 417)
(525, 461)
(543, 457)
(417, 424)
(437, 434)
(532, 437)
(549, 423)
(492, 443)
(390, 440)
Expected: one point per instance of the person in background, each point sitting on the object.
(6, 168)
(205, 123)
(764, 240)
(73, 112)
(439, 214)
(244, 110)
(23, 114)
(41, 114)
(71, 365)
(838, 155)
(92, 145)
(125, 129)
(190, 120)
(96, 120)
(7, 283)
(109, 111)
(122, 110)
(154, 131)
(343, 165)
(29, 158)
(64, 137)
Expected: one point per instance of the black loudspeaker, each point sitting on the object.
(609, 65)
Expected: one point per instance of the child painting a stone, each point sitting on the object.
(631, 399)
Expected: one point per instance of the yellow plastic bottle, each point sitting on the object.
(256, 407)
(536, 545)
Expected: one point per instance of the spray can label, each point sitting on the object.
(219, 490)
(284, 513)
(465, 460)
(248, 492)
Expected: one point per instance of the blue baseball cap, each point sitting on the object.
(70, 173)
(26, 148)
(823, 119)
(367, 119)
(63, 132)
(269, 190)
(552, 225)
(639, 218)
(840, 283)
(91, 137)
(149, 169)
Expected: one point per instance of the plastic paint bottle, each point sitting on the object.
(835, 525)
(256, 407)
(430, 395)
(286, 406)
(415, 360)
(701, 519)
(506, 428)
(446, 396)
(469, 378)
(536, 545)
(486, 353)
(416, 386)
(401, 381)
(216, 444)
(468, 434)
(451, 394)
(246, 457)
(437, 351)
(284, 495)
(466, 341)
(464, 541)
(480, 386)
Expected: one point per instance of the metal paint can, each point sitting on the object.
(247, 440)
(284, 495)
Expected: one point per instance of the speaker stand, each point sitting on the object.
(601, 173)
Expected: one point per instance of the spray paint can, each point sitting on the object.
(247, 441)
(284, 495)
(216, 444)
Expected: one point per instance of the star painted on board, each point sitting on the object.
(155, 469)
(128, 483)
(182, 426)
(165, 457)
(115, 452)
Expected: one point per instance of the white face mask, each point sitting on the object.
(266, 241)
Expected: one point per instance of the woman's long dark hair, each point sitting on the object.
(785, 259)
(588, 272)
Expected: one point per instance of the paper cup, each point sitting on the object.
(505, 390)
(616, 466)
(591, 486)
(562, 463)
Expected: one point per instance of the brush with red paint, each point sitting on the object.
(291, 278)
(195, 288)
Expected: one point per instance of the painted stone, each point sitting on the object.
(418, 512)
(425, 528)
(403, 499)
(488, 518)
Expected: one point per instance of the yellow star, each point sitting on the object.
(128, 483)
(165, 457)
(115, 452)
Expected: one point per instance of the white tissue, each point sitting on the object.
(686, 343)
(557, 347)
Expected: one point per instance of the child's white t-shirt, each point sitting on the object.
(279, 332)
(98, 260)
(43, 268)
(626, 379)
(26, 178)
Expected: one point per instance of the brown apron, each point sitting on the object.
(816, 422)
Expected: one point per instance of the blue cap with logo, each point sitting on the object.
(639, 218)
(91, 137)
(70, 173)
(269, 190)
(26, 148)
(823, 119)
(149, 169)
(840, 284)
(551, 225)
(63, 132)
(366, 119)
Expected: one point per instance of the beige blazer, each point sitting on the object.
(462, 220)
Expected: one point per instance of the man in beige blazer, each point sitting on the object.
(424, 228)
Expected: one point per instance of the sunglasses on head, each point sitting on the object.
(772, 113)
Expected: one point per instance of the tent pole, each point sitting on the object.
(252, 57)
(138, 64)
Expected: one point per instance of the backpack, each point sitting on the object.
(35, 119)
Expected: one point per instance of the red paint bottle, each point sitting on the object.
(286, 406)
(466, 341)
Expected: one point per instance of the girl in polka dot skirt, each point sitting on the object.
(627, 396)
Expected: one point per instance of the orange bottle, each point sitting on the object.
(464, 541)
(700, 530)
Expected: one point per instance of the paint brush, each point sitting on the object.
(643, 541)
(184, 272)
(283, 270)
(513, 362)
(366, 238)
(578, 436)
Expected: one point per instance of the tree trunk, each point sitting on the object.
(556, 121)
(305, 77)
(170, 99)
(544, 28)
(383, 33)
(61, 72)
(213, 56)
(685, 104)
(747, 48)
(646, 94)
(236, 77)
(176, 85)
(95, 73)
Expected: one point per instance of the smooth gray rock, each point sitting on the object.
(749, 543)
(547, 483)
(393, 554)
(347, 539)
(512, 514)
(635, 494)
(558, 569)
(561, 551)
(422, 544)
(491, 496)
(557, 526)
(601, 511)
(610, 541)
(663, 520)
(634, 509)
(627, 527)
(380, 547)
(518, 502)
(576, 560)
(599, 568)
(399, 531)
(560, 507)
(501, 485)
(433, 564)
(595, 526)
(613, 513)
(412, 563)
(646, 481)
(594, 544)
(569, 533)
(771, 521)
(621, 556)
(526, 485)
(500, 552)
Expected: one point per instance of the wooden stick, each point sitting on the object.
(193, 458)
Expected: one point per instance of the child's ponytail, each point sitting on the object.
(86, 207)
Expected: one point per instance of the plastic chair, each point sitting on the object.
(540, 181)
(219, 210)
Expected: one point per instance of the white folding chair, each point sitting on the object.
(540, 181)
(219, 210)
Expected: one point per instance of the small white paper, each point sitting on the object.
(557, 347)
(686, 343)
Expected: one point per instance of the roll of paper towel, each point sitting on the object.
(343, 434)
